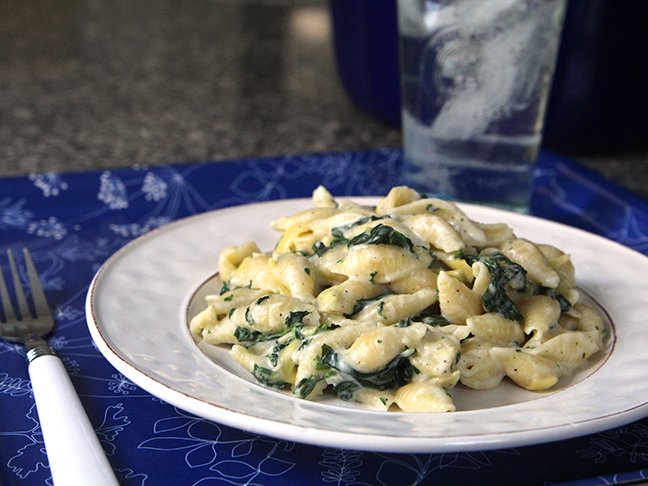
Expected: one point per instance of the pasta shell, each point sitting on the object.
(232, 256)
(436, 231)
(539, 314)
(397, 196)
(423, 397)
(420, 278)
(373, 350)
(496, 327)
(457, 302)
(527, 370)
(478, 368)
(529, 256)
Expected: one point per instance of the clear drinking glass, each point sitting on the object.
(475, 78)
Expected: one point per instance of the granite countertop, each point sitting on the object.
(89, 84)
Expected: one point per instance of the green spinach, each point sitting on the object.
(398, 372)
(378, 235)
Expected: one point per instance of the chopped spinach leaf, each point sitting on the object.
(295, 317)
(319, 248)
(406, 322)
(430, 208)
(565, 305)
(359, 222)
(534, 289)
(273, 357)
(429, 316)
(298, 331)
(338, 232)
(382, 235)
(264, 376)
(435, 321)
(306, 385)
(345, 390)
(380, 309)
(262, 299)
(225, 288)
(396, 373)
(362, 303)
(338, 238)
(293, 323)
(245, 334)
(378, 235)
(504, 273)
(248, 317)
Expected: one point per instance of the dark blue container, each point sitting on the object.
(366, 48)
(598, 101)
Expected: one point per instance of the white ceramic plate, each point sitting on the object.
(139, 301)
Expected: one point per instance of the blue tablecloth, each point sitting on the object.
(73, 222)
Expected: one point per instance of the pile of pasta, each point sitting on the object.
(394, 305)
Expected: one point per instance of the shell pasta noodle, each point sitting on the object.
(395, 305)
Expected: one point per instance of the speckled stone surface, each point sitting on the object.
(88, 84)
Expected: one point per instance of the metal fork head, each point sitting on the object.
(20, 325)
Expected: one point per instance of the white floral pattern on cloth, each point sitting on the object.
(48, 228)
(13, 214)
(627, 442)
(245, 459)
(154, 187)
(29, 460)
(112, 191)
(340, 466)
(121, 384)
(50, 183)
(14, 386)
(417, 469)
(133, 230)
(73, 222)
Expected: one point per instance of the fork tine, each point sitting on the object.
(7, 308)
(20, 295)
(40, 302)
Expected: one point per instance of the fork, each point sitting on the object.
(74, 452)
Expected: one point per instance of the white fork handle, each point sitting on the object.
(74, 452)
